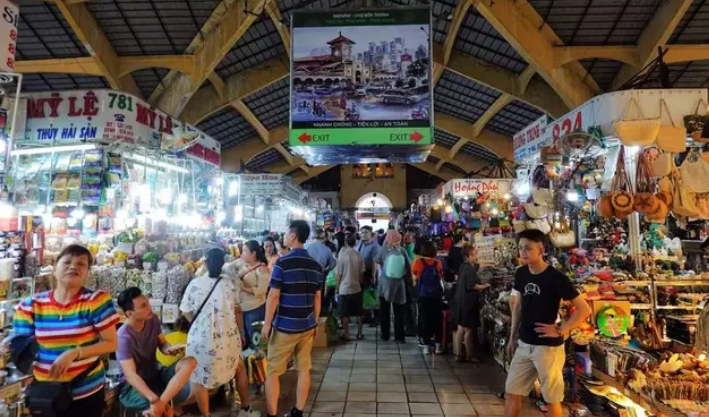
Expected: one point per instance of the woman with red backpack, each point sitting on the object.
(428, 272)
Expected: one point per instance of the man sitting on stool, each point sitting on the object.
(149, 387)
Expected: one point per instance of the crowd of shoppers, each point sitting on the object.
(71, 327)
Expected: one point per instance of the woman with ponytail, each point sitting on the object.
(253, 280)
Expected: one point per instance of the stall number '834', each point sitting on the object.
(566, 125)
(12, 18)
(122, 101)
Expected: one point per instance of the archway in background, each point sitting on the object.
(374, 209)
(370, 200)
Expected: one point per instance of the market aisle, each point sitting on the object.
(374, 378)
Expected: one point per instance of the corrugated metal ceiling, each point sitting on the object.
(228, 127)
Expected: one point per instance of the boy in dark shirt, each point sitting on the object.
(536, 341)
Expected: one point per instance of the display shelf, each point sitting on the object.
(683, 282)
(677, 307)
(641, 306)
(634, 283)
(637, 398)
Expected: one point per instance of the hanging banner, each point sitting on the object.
(471, 187)
(605, 109)
(361, 78)
(204, 149)
(530, 139)
(8, 34)
(271, 185)
(106, 116)
(262, 185)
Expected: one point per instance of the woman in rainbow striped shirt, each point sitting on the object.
(73, 326)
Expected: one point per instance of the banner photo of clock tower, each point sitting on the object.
(361, 78)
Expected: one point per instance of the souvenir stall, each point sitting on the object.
(618, 184)
(102, 169)
(481, 204)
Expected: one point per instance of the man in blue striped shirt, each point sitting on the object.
(292, 311)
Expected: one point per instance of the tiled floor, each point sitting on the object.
(372, 378)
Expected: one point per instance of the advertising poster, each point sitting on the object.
(361, 78)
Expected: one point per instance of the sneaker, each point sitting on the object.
(421, 344)
(427, 350)
(250, 413)
(294, 413)
(439, 349)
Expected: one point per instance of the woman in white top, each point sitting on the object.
(253, 281)
(214, 338)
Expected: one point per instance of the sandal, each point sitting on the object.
(344, 338)
(459, 358)
(474, 359)
(360, 336)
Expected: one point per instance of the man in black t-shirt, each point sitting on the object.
(536, 341)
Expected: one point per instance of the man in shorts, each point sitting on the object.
(149, 387)
(540, 352)
(292, 309)
(350, 273)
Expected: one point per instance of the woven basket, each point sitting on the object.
(641, 131)
(671, 138)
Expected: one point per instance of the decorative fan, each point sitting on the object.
(580, 144)
(613, 321)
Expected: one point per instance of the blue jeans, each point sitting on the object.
(257, 314)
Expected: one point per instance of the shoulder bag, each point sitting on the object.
(694, 123)
(671, 138)
(694, 172)
(199, 310)
(641, 131)
(53, 398)
(684, 204)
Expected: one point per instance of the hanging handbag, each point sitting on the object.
(660, 215)
(537, 211)
(694, 172)
(519, 226)
(644, 200)
(51, 398)
(684, 204)
(694, 123)
(666, 198)
(671, 138)
(621, 197)
(543, 196)
(539, 224)
(702, 203)
(636, 132)
(604, 207)
(660, 162)
(563, 237)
